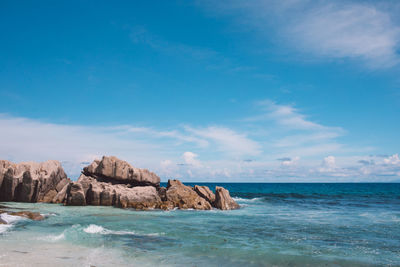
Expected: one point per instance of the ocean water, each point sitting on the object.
(277, 225)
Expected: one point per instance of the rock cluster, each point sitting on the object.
(106, 182)
(31, 181)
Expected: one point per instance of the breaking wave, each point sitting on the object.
(97, 229)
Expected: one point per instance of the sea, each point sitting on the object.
(278, 224)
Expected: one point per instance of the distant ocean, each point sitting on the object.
(277, 225)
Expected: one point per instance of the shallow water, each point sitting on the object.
(277, 225)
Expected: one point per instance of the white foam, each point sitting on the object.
(4, 228)
(53, 238)
(94, 229)
(9, 219)
(239, 199)
(97, 229)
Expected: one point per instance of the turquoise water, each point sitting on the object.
(277, 225)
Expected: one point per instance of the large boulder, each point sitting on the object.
(139, 197)
(184, 197)
(223, 199)
(114, 170)
(29, 181)
(76, 195)
(100, 193)
(205, 193)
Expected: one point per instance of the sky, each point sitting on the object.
(224, 91)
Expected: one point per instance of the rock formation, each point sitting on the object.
(106, 182)
(223, 200)
(184, 197)
(30, 181)
(111, 169)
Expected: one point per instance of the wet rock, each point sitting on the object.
(205, 193)
(223, 199)
(184, 197)
(166, 205)
(36, 216)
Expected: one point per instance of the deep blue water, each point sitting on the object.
(279, 224)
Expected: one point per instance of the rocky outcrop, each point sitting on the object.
(114, 170)
(184, 197)
(106, 182)
(223, 199)
(30, 181)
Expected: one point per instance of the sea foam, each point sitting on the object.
(239, 199)
(97, 229)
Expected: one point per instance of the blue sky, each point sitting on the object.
(205, 90)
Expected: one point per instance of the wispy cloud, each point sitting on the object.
(140, 35)
(288, 116)
(335, 30)
(358, 31)
(227, 140)
(210, 58)
(295, 133)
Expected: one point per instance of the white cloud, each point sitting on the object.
(190, 159)
(227, 140)
(288, 116)
(328, 164)
(393, 160)
(323, 29)
(287, 162)
(340, 30)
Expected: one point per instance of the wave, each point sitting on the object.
(97, 229)
(239, 199)
(10, 220)
(53, 238)
(4, 228)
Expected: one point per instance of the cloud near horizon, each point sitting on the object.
(218, 153)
